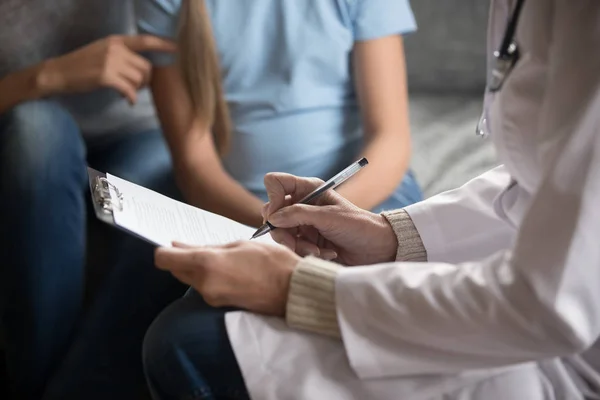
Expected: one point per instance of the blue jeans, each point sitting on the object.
(54, 345)
(407, 193)
(187, 354)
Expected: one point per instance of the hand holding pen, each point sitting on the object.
(331, 184)
(331, 227)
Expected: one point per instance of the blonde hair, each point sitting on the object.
(200, 70)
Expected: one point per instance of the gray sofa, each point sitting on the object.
(446, 61)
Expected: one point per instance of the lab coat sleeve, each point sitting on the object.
(537, 300)
(462, 224)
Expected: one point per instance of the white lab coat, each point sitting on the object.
(512, 287)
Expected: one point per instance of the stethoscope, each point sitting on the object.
(504, 61)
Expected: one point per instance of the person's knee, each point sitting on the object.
(187, 352)
(188, 332)
(163, 345)
(40, 142)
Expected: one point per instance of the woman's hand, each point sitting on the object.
(249, 275)
(110, 62)
(333, 228)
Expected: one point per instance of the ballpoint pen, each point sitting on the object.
(332, 183)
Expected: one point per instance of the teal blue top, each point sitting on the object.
(287, 77)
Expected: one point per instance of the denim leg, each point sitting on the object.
(187, 354)
(142, 158)
(42, 231)
(407, 193)
(105, 362)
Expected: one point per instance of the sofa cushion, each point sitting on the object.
(448, 52)
(446, 151)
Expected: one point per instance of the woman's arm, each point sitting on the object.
(380, 76)
(198, 169)
(110, 62)
(20, 86)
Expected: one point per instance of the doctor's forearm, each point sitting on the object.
(388, 162)
(315, 279)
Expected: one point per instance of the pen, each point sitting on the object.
(332, 183)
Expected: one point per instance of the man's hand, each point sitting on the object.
(110, 62)
(332, 228)
(249, 275)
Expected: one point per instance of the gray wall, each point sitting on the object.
(447, 53)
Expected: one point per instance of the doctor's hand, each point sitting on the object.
(248, 275)
(333, 228)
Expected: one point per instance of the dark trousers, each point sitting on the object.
(56, 348)
(187, 354)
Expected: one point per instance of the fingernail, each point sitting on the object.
(328, 254)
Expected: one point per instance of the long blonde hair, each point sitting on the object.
(199, 67)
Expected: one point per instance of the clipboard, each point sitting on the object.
(105, 202)
(158, 219)
(102, 198)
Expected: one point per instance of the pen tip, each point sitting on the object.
(363, 161)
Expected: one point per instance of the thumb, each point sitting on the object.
(277, 186)
(182, 245)
(303, 215)
(283, 189)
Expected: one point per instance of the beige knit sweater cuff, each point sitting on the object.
(311, 302)
(410, 245)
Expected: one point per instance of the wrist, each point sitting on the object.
(410, 245)
(250, 216)
(311, 302)
(19, 87)
(285, 283)
(46, 78)
(388, 238)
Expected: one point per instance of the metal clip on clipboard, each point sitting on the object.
(106, 199)
(103, 196)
